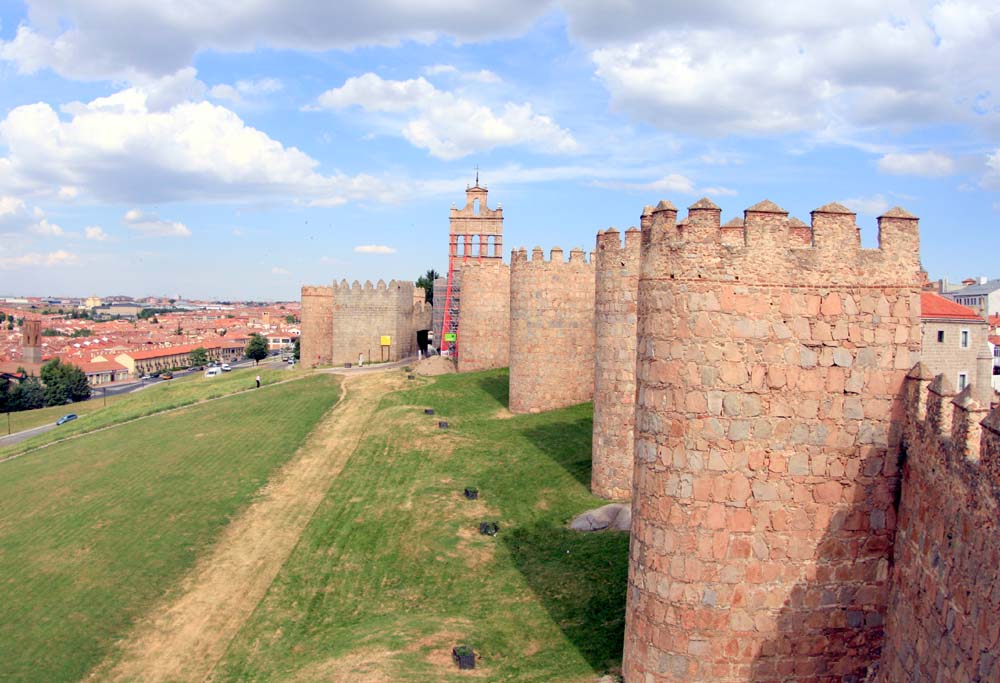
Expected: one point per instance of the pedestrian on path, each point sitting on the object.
(258, 381)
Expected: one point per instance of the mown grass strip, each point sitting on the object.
(391, 572)
(154, 399)
(93, 534)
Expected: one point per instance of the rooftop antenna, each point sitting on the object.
(477, 175)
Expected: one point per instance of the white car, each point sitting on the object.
(213, 372)
(225, 367)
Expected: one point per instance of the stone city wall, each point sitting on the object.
(484, 316)
(770, 374)
(551, 330)
(316, 345)
(617, 290)
(943, 621)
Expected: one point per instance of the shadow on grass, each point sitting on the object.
(581, 581)
(566, 443)
(498, 387)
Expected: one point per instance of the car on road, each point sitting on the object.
(65, 418)
(213, 372)
(225, 367)
(167, 375)
(291, 361)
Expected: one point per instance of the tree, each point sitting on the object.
(27, 394)
(64, 383)
(291, 319)
(199, 356)
(257, 348)
(180, 330)
(296, 349)
(427, 282)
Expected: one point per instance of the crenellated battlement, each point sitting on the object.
(394, 287)
(958, 425)
(768, 245)
(556, 256)
(316, 290)
(611, 240)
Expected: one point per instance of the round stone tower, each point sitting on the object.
(769, 375)
(616, 272)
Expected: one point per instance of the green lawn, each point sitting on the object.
(391, 571)
(95, 530)
(28, 419)
(155, 398)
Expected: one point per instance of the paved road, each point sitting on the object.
(17, 437)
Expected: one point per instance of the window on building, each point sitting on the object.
(964, 339)
(963, 380)
(940, 336)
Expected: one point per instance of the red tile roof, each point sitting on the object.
(934, 306)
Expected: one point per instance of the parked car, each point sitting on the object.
(225, 367)
(66, 418)
(213, 372)
(166, 375)
(291, 361)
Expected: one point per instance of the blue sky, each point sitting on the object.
(239, 150)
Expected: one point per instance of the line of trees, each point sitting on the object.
(60, 383)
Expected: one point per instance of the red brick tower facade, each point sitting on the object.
(768, 420)
(31, 341)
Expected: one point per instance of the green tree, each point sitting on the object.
(83, 332)
(427, 282)
(64, 383)
(27, 394)
(257, 348)
(296, 349)
(199, 356)
(291, 319)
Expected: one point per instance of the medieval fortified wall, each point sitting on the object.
(484, 312)
(343, 321)
(943, 621)
(551, 330)
(767, 433)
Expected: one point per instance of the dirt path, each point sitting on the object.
(184, 638)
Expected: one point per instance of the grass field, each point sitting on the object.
(95, 531)
(391, 571)
(155, 398)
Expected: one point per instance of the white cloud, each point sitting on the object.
(151, 225)
(116, 149)
(447, 125)
(718, 192)
(481, 76)
(17, 217)
(674, 182)
(872, 206)
(991, 180)
(728, 67)
(95, 233)
(374, 249)
(927, 164)
(49, 260)
(84, 39)
(278, 270)
(236, 92)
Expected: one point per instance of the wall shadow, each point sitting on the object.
(581, 581)
(497, 386)
(567, 443)
(831, 628)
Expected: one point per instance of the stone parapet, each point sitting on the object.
(484, 315)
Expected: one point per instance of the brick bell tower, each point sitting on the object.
(476, 232)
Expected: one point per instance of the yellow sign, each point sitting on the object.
(386, 340)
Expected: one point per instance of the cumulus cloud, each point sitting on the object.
(872, 206)
(85, 39)
(151, 225)
(95, 233)
(447, 125)
(927, 164)
(374, 249)
(32, 259)
(117, 149)
(724, 67)
(17, 217)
